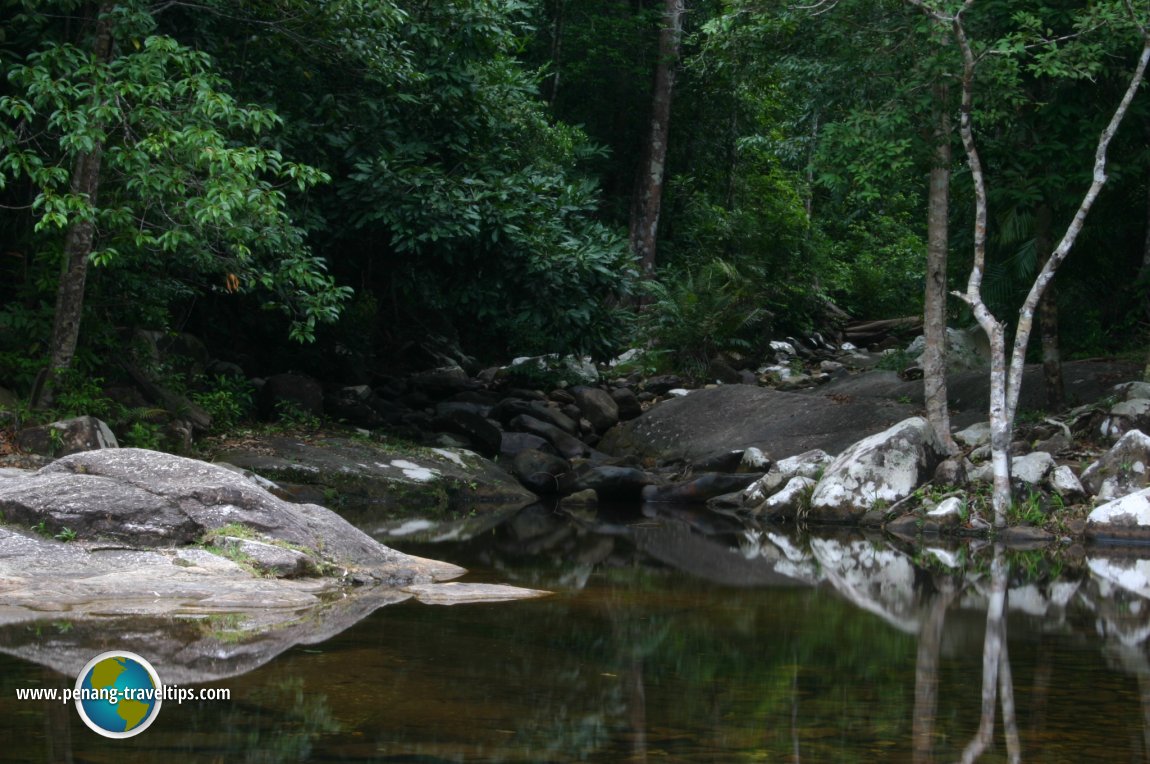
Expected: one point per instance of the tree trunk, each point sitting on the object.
(809, 191)
(1006, 700)
(649, 192)
(1143, 280)
(78, 238)
(1048, 317)
(934, 302)
(1144, 272)
(560, 6)
(1006, 380)
(1000, 423)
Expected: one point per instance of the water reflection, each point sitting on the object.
(674, 637)
(914, 591)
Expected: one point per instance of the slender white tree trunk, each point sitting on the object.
(1006, 379)
(1001, 424)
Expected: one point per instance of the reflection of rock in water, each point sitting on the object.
(192, 649)
(188, 649)
(1116, 596)
(675, 544)
(875, 577)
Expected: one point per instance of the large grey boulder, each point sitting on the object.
(709, 423)
(966, 349)
(627, 403)
(968, 393)
(136, 498)
(880, 469)
(542, 473)
(202, 616)
(565, 443)
(291, 392)
(1033, 470)
(510, 409)
(480, 432)
(1124, 469)
(613, 482)
(875, 577)
(1127, 517)
(698, 489)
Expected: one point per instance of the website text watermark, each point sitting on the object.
(112, 695)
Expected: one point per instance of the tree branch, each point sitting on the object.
(1026, 313)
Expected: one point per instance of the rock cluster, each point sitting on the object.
(800, 436)
(900, 479)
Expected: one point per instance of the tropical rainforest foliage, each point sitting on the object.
(375, 172)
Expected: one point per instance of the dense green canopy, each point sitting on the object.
(382, 171)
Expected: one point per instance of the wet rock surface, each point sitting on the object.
(712, 422)
(373, 483)
(134, 499)
(215, 574)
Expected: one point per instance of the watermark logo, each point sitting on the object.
(118, 694)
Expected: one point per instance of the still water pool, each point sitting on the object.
(667, 639)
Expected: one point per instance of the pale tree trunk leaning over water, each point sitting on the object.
(1006, 380)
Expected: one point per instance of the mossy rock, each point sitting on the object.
(369, 482)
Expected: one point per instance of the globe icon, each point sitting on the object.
(118, 694)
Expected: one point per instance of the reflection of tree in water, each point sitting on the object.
(277, 722)
(789, 652)
(997, 680)
(640, 661)
(926, 669)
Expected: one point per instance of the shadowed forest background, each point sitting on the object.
(374, 178)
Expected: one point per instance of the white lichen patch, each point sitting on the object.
(451, 456)
(1028, 599)
(792, 551)
(416, 472)
(877, 580)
